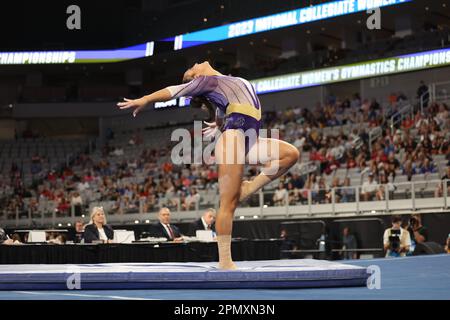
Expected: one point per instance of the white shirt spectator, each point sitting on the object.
(369, 187)
(83, 186)
(192, 199)
(76, 200)
(279, 194)
(299, 142)
(118, 152)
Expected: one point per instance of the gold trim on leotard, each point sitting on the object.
(246, 109)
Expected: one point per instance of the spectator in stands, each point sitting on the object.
(191, 200)
(297, 181)
(164, 229)
(350, 159)
(396, 240)
(417, 231)
(392, 165)
(347, 192)
(409, 167)
(16, 238)
(336, 186)
(293, 196)
(280, 195)
(63, 206)
(171, 195)
(97, 229)
(423, 94)
(287, 244)
(32, 206)
(130, 203)
(206, 222)
(56, 238)
(36, 165)
(83, 186)
(439, 191)
(426, 166)
(384, 184)
(4, 239)
(369, 188)
(76, 203)
(79, 232)
(348, 243)
(322, 190)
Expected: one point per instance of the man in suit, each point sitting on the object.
(163, 228)
(206, 222)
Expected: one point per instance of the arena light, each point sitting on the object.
(367, 69)
(279, 20)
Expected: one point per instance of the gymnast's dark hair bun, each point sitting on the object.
(198, 102)
(201, 102)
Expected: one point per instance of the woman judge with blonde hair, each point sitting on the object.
(97, 229)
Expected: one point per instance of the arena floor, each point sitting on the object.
(411, 278)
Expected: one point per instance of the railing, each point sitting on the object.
(437, 92)
(440, 91)
(374, 134)
(419, 195)
(396, 118)
(424, 100)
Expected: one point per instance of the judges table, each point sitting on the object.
(243, 250)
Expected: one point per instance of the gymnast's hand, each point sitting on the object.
(211, 130)
(138, 104)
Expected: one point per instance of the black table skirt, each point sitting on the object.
(243, 250)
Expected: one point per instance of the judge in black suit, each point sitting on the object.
(206, 222)
(163, 228)
(97, 229)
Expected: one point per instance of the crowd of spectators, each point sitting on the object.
(150, 180)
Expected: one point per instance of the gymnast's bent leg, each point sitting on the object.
(276, 156)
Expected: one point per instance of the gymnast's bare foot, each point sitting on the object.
(245, 190)
(228, 265)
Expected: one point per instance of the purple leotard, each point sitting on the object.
(224, 91)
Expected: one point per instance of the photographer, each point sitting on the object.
(396, 240)
(417, 231)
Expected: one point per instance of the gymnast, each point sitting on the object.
(238, 111)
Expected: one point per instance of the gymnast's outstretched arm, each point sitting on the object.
(199, 86)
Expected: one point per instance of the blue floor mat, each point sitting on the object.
(305, 273)
(411, 278)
